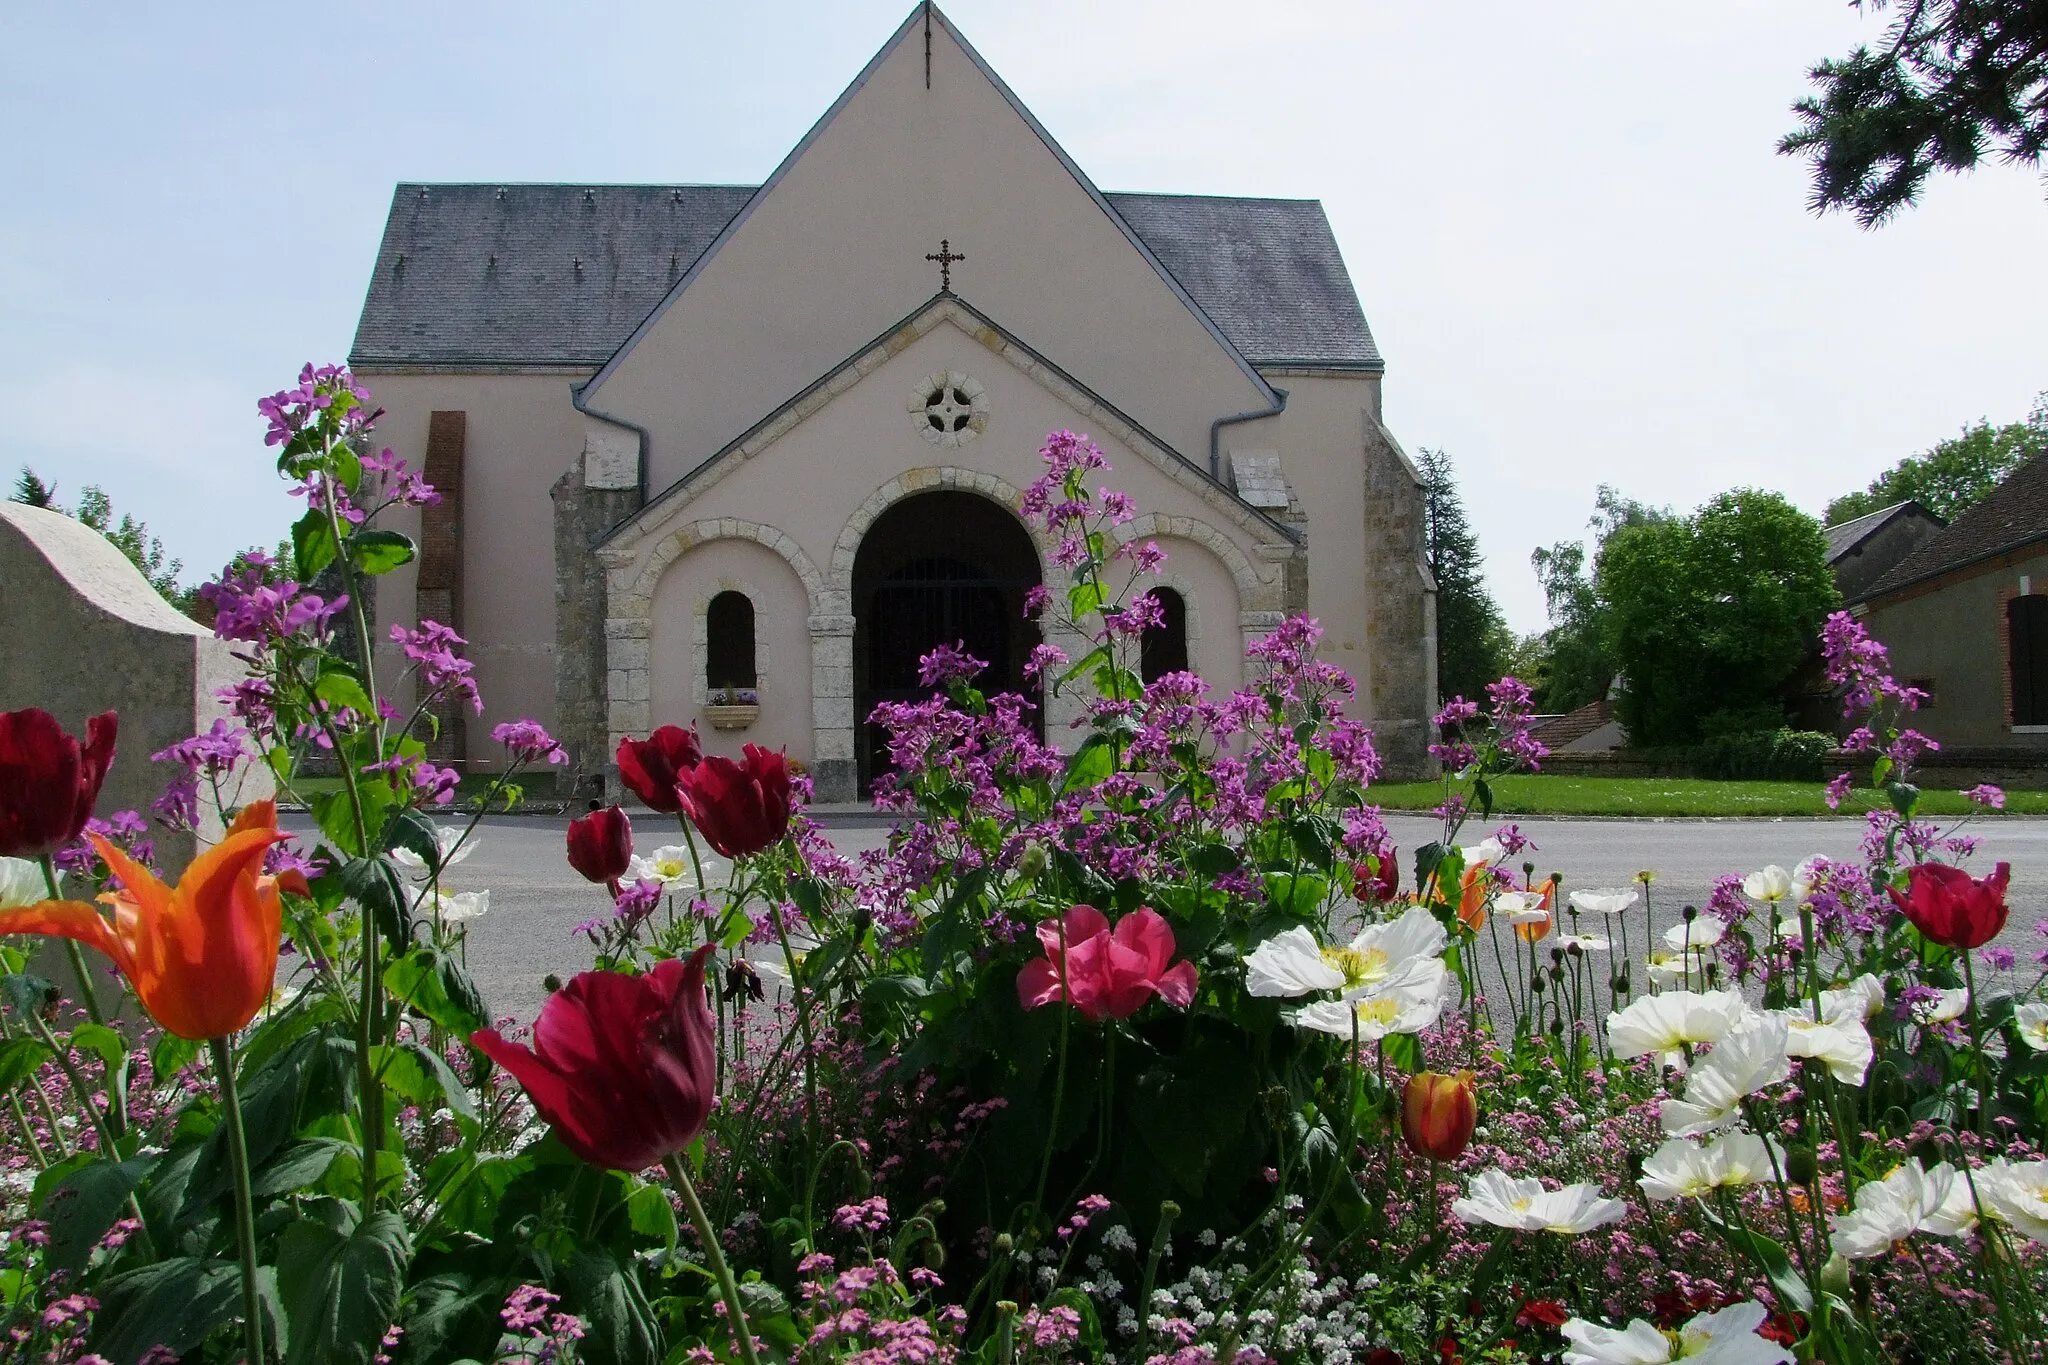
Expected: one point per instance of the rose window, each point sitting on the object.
(950, 408)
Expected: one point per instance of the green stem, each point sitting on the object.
(60, 1052)
(715, 1255)
(245, 1202)
(1059, 1084)
(1977, 1046)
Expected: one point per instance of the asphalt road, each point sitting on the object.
(537, 900)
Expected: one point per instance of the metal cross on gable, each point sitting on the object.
(945, 256)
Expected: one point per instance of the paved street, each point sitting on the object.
(536, 900)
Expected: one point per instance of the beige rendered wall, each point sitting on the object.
(782, 644)
(834, 256)
(1956, 636)
(523, 432)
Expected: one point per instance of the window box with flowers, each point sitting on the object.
(732, 708)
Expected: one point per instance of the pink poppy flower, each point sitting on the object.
(1107, 975)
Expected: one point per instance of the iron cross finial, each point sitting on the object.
(945, 256)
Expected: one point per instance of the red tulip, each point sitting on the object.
(742, 808)
(1437, 1114)
(649, 767)
(1950, 907)
(601, 845)
(48, 783)
(622, 1066)
(1376, 887)
(1108, 975)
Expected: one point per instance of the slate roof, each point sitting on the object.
(562, 274)
(2014, 514)
(1847, 536)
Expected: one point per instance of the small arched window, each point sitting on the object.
(1164, 647)
(729, 642)
(2026, 622)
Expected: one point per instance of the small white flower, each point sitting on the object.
(1663, 1023)
(1907, 1201)
(1772, 884)
(1843, 1043)
(1289, 964)
(2032, 1022)
(1498, 1198)
(1727, 1337)
(21, 883)
(1702, 931)
(1949, 1005)
(1749, 1057)
(448, 840)
(1683, 1170)
(1604, 902)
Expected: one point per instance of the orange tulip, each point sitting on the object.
(201, 956)
(1472, 891)
(1438, 1113)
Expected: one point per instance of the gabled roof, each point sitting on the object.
(1846, 537)
(2014, 514)
(479, 274)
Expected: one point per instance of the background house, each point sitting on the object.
(1862, 551)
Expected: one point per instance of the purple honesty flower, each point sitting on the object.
(1986, 795)
(529, 742)
(211, 756)
(247, 606)
(1838, 789)
(432, 649)
(948, 664)
(1044, 659)
(1134, 618)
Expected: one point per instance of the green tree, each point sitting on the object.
(1579, 668)
(1707, 616)
(1955, 82)
(32, 490)
(1956, 475)
(1469, 628)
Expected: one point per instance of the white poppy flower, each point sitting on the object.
(1773, 884)
(1684, 1170)
(1485, 852)
(1603, 902)
(776, 972)
(1289, 964)
(1524, 1205)
(1749, 1057)
(1726, 1337)
(2032, 1021)
(1407, 1005)
(1702, 932)
(1790, 930)
(453, 848)
(21, 883)
(1517, 902)
(1860, 999)
(2016, 1191)
(1806, 876)
(1907, 1201)
(1949, 1006)
(1663, 1023)
(463, 905)
(1669, 969)
(1585, 943)
(1384, 953)
(670, 865)
(1843, 1043)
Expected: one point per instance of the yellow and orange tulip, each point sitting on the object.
(1438, 1113)
(201, 956)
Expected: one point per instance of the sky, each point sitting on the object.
(1572, 236)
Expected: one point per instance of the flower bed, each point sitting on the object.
(1155, 1049)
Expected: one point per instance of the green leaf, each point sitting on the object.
(1762, 1251)
(379, 552)
(103, 1043)
(340, 1281)
(176, 1304)
(84, 1205)
(374, 884)
(417, 1073)
(436, 985)
(19, 1059)
(650, 1213)
(171, 1055)
(337, 686)
(25, 991)
(413, 831)
(619, 1326)
(297, 1166)
(1089, 764)
(312, 545)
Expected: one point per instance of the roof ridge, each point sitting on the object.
(1964, 541)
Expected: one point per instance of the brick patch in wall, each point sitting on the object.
(438, 596)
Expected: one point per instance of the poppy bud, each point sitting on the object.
(551, 983)
(1800, 1166)
(601, 845)
(1438, 1113)
(1031, 862)
(1690, 913)
(1536, 983)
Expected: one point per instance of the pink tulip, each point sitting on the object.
(1107, 975)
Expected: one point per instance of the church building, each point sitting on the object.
(737, 455)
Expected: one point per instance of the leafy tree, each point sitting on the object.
(1955, 81)
(1706, 616)
(1956, 475)
(33, 491)
(1469, 627)
(1579, 668)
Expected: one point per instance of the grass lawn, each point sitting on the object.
(1541, 794)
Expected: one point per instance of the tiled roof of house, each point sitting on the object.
(1562, 730)
(2013, 514)
(1847, 536)
(562, 274)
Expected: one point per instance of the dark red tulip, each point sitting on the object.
(601, 845)
(622, 1066)
(649, 767)
(1378, 887)
(48, 782)
(741, 807)
(1950, 907)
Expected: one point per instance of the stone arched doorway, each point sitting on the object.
(937, 568)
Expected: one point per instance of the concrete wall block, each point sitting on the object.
(834, 742)
(629, 653)
(616, 628)
(830, 681)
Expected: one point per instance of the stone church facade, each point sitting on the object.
(735, 455)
